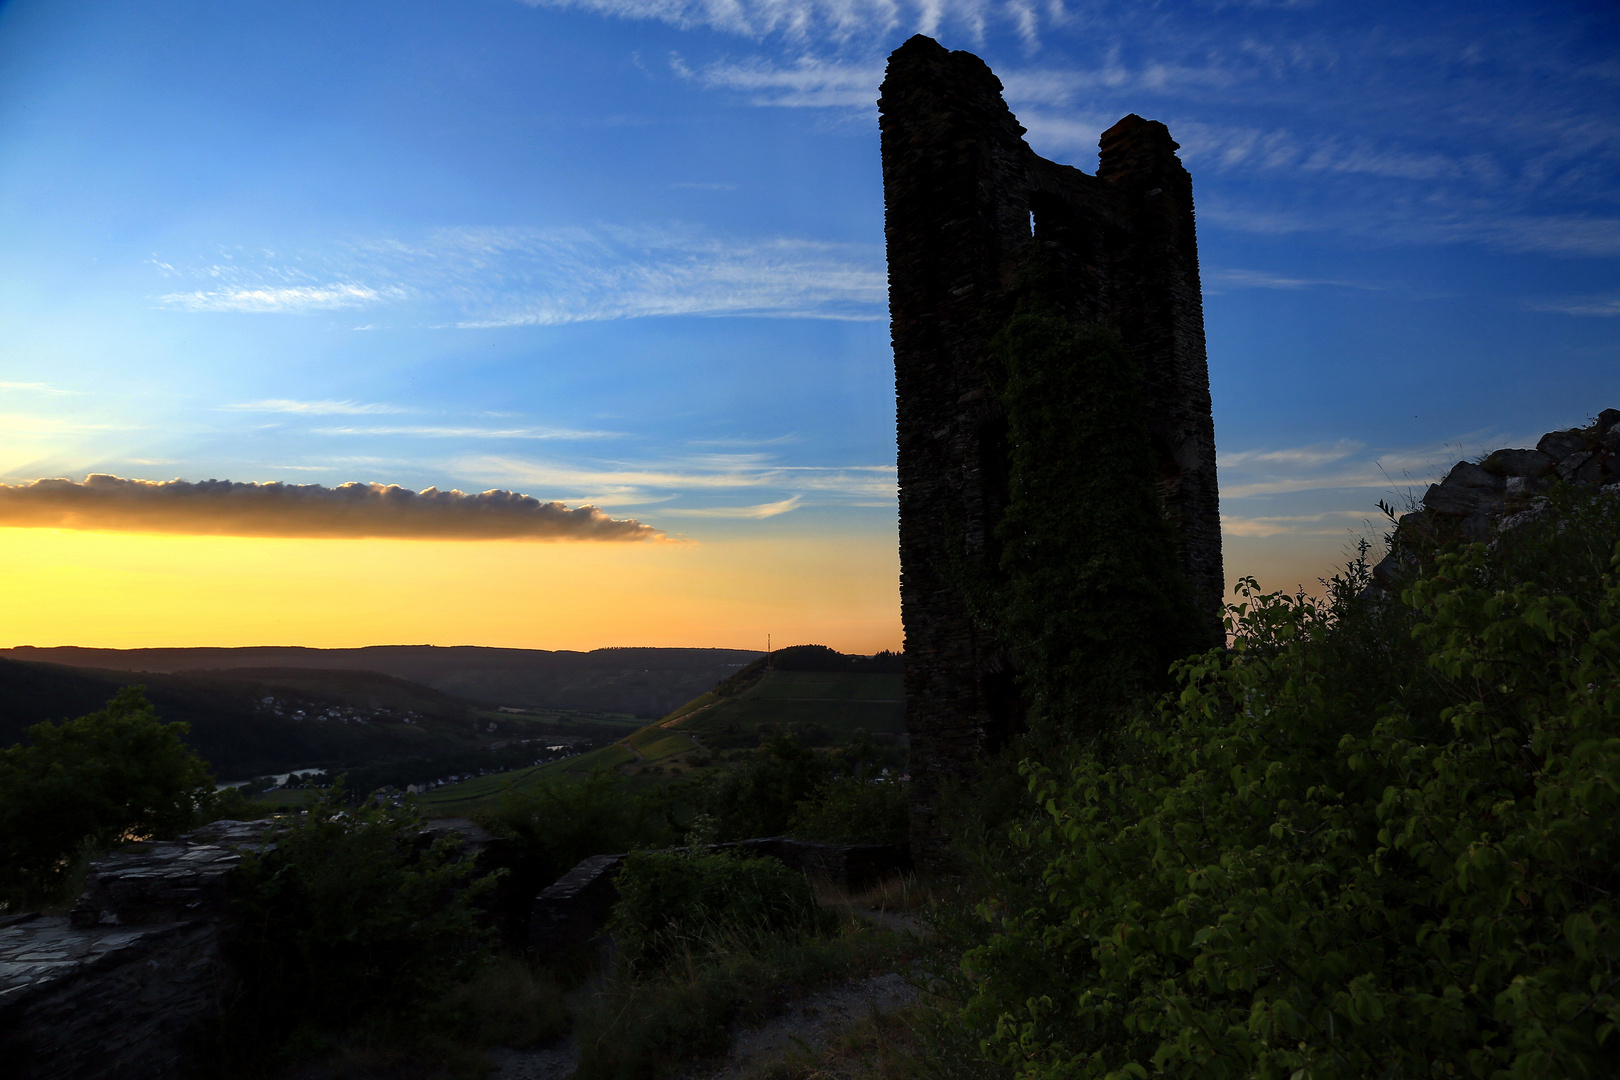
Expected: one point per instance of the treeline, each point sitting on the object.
(811, 658)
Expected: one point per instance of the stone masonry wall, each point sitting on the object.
(966, 201)
(114, 988)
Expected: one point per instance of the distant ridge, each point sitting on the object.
(643, 681)
(380, 658)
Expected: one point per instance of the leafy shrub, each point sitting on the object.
(1371, 839)
(351, 917)
(559, 824)
(854, 810)
(82, 784)
(758, 797)
(674, 901)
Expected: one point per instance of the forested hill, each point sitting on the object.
(645, 682)
(359, 717)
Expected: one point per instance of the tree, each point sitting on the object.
(82, 784)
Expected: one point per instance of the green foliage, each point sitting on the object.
(505, 1003)
(854, 810)
(649, 1019)
(1089, 594)
(675, 902)
(559, 824)
(1371, 839)
(352, 916)
(82, 784)
(758, 797)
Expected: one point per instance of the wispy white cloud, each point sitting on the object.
(807, 83)
(1348, 464)
(1602, 306)
(37, 387)
(33, 424)
(313, 408)
(479, 278)
(290, 299)
(1426, 135)
(835, 20)
(429, 431)
(1297, 457)
(637, 483)
(1221, 279)
(1322, 524)
(760, 510)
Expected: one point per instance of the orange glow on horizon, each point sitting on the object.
(123, 590)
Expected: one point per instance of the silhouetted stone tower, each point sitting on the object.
(964, 196)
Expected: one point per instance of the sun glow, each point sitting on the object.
(121, 590)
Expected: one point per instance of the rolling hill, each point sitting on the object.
(256, 722)
(642, 682)
(816, 693)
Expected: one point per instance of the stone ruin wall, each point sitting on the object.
(964, 198)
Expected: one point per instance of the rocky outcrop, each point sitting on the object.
(1476, 498)
(114, 988)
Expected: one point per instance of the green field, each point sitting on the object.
(669, 745)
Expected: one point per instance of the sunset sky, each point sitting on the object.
(629, 254)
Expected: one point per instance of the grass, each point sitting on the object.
(481, 788)
(507, 1003)
(841, 686)
(669, 745)
(645, 1023)
(883, 1046)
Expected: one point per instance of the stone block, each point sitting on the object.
(1561, 444)
(1571, 465)
(1456, 500)
(1520, 463)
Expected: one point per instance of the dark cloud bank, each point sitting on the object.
(223, 508)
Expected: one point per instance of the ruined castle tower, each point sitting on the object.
(964, 197)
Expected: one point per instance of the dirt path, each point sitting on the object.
(805, 1023)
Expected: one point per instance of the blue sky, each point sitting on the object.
(629, 252)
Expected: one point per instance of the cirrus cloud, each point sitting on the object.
(348, 511)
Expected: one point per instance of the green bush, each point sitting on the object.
(671, 902)
(1370, 839)
(81, 785)
(352, 917)
(559, 824)
(854, 810)
(758, 796)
